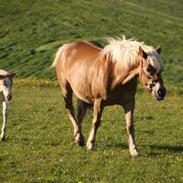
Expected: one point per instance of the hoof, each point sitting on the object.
(134, 153)
(91, 147)
(3, 138)
(80, 140)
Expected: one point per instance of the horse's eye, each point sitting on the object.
(4, 83)
(149, 68)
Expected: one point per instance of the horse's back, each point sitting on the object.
(78, 52)
(77, 66)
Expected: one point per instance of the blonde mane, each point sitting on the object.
(126, 50)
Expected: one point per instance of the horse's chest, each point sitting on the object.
(120, 95)
(1, 96)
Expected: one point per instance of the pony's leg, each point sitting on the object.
(67, 92)
(129, 109)
(97, 112)
(5, 115)
(81, 111)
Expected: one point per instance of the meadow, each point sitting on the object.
(39, 147)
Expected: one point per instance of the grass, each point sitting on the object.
(40, 148)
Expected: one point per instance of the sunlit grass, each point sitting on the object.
(40, 148)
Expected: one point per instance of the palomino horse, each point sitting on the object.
(5, 96)
(107, 76)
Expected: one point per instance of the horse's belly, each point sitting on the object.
(82, 90)
(86, 97)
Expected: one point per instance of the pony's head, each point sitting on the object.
(150, 69)
(6, 84)
(144, 60)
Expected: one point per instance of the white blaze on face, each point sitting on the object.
(155, 89)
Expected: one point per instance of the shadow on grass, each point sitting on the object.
(167, 147)
(156, 149)
(117, 146)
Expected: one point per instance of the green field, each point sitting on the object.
(39, 146)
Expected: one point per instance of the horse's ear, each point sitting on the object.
(2, 76)
(142, 53)
(11, 75)
(158, 49)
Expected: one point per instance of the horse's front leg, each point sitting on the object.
(129, 109)
(97, 111)
(5, 115)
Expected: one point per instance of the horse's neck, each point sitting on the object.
(131, 74)
(123, 75)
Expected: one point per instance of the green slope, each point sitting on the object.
(31, 31)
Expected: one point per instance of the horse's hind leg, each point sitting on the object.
(68, 93)
(81, 111)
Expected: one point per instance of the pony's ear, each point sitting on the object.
(158, 49)
(2, 76)
(11, 75)
(142, 53)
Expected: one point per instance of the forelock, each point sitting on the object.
(153, 57)
(126, 50)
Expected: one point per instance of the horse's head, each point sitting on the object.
(149, 74)
(6, 84)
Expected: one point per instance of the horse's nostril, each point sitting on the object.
(9, 97)
(162, 92)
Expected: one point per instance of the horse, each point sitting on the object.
(5, 97)
(102, 76)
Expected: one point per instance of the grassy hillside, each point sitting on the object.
(31, 31)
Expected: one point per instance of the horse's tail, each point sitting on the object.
(58, 54)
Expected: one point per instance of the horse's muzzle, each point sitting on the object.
(160, 93)
(9, 97)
